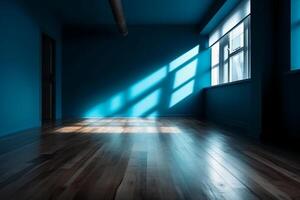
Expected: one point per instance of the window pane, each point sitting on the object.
(215, 64)
(215, 54)
(237, 38)
(237, 67)
(215, 75)
(247, 62)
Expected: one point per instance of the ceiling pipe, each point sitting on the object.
(117, 9)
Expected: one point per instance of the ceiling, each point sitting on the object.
(219, 15)
(137, 12)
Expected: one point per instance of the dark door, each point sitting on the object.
(48, 79)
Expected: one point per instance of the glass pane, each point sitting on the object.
(215, 54)
(237, 67)
(247, 62)
(215, 75)
(237, 38)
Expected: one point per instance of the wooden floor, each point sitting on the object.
(143, 159)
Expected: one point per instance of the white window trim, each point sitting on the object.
(245, 48)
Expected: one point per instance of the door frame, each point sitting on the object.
(48, 78)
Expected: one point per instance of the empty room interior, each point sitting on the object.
(149, 99)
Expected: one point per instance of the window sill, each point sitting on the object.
(231, 83)
(293, 71)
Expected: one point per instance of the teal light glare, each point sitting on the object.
(146, 104)
(108, 107)
(147, 83)
(186, 73)
(182, 93)
(184, 58)
(97, 111)
(147, 97)
(116, 102)
(153, 114)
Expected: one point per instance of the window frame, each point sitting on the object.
(246, 49)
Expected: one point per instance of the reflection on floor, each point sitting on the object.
(140, 158)
(118, 126)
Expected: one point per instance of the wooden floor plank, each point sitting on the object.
(143, 158)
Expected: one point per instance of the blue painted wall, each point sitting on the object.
(154, 71)
(230, 105)
(295, 34)
(20, 64)
(291, 108)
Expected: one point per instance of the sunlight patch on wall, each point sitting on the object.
(147, 83)
(97, 111)
(116, 102)
(186, 73)
(184, 58)
(146, 104)
(182, 93)
(108, 107)
(184, 81)
(153, 114)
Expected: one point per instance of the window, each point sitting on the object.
(230, 55)
(215, 64)
(295, 34)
